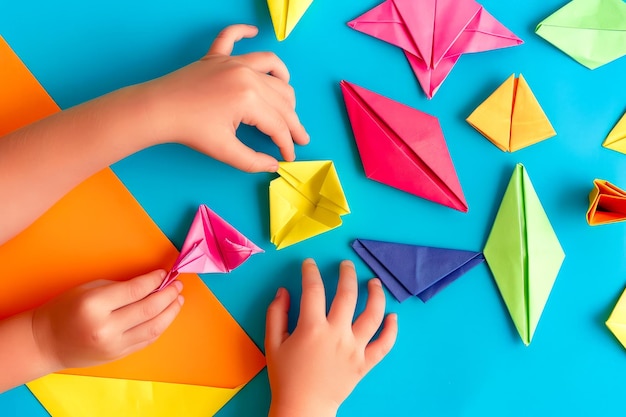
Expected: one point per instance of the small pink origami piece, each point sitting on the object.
(212, 245)
(434, 34)
(402, 147)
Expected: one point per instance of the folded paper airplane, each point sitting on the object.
(306, 200)
(201, 361)
(523, 253)
(616, 140)
(286, 14)
(408, 270)
(212, 245)
(607, 204)
(511, 117)
(434, 34)
(402, 147)
(617, 320)
(593, 32)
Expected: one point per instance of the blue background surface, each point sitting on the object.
(458, 355)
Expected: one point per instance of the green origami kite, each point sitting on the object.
(523, 253)
(593, 32)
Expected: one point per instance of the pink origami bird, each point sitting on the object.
(434, 34)
(212, 245)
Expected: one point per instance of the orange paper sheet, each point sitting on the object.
(99, 231)
(607, 204)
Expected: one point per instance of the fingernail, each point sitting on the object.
(310, 261)
(279, 293)
(273, 167)
(162, 274)
(394, 317)
(347, 262)
(376, 281)
(178, 285)
(181, 300)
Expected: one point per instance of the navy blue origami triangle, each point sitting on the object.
(408, 270)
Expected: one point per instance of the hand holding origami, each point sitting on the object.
(314, 369)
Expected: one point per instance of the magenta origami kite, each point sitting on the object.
(402, 147)
(212, 245)
(434, 34)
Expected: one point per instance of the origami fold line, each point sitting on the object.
(617, 320)
(402, 147)
(511, 117)
(305, 201)
(523, 253)
(408, 270)
(434, 34)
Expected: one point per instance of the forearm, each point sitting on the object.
(43, 161)
(21, 360)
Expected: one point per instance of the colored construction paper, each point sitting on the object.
(617, 320)
(511, 117)
(99, 230)
(616, 140)
(286, 14)
(607, 203)
(93, 396)
(408, 270)
(306, 200)
(212, 245)
(523, 253)
(434, 34)
(402, 147)
(593, 32)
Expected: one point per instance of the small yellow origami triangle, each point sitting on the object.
(617, 320)
(511, 117)
(305, 201)
(616, 140)
(286, 14)
(78, 396)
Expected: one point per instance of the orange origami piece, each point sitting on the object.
(607, 204)
(99, 230)
(511, 117)
(616, 140)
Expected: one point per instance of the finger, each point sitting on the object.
(153, 328)
(150, 307)
(284, 100)
(368, 322)
(270, 121)
(240, 156)
(342, 310)
(313, 302)
(379, 348)
(226, 39)
(120, 294)
(267, 63)
(276, 321)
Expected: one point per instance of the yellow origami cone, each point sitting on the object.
(617, 320)
(511, 117)
(616, 139)
(285, 15)
(79, 396)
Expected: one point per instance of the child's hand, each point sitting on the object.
(313, 370)
(104, 320)
(202, 104)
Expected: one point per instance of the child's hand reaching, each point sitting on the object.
(314, 369)
(202, 104)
